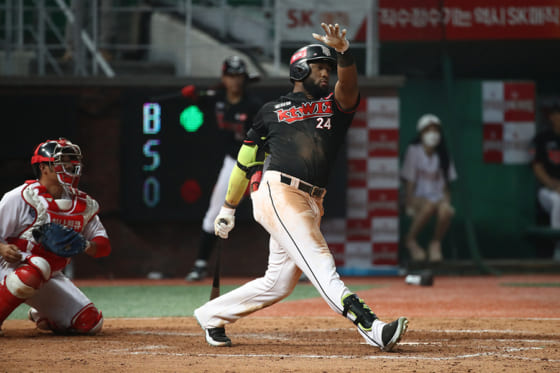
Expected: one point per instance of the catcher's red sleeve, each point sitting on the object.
(103, 246)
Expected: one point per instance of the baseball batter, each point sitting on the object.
(302, 132)
(28, 271)
(235, 109)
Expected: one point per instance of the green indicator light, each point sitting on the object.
(191, 118)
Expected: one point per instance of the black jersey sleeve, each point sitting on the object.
(258, 132)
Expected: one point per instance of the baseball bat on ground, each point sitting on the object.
(215, 292)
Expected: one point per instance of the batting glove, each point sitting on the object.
(334, 38)
(225, 221)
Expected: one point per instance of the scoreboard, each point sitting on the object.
(170, 161)
(168, 170)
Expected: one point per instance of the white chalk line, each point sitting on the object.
(284, 337)
(478, 331)
(353, 357)
(507, 353)
(317, 317)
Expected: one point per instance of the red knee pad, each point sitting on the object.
(30, 276)
(88, 320)
(25, 280)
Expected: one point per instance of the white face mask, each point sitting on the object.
(431, 139)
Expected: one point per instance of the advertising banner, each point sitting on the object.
(508, 117)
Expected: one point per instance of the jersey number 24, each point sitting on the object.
(323, 123)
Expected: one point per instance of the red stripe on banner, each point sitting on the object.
(383, 142)
(357, 173)
(520, 101)
(358, 229)
(492, 142)
(410, 20)
(385, 253)
(467, 20)
(383, 202)
(502, 19)
(360, 118)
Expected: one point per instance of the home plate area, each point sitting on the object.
(292, 344)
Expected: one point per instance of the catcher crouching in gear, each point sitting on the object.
(43, 223)
(302, 131)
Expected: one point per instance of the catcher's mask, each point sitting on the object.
(234, 66)
(299, 63)
(65, 158)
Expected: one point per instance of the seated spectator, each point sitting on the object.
(546, 166)
(427, 171)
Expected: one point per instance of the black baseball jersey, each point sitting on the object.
(302, 136)
(234, 120)
(547, 152)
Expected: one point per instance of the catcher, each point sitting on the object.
(43, 223)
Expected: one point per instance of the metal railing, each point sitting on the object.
(36, 33)
(40, 30)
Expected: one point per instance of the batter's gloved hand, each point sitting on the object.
(225, 221)
(189, 92)
(334, 37)
(60, 240)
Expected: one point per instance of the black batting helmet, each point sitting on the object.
(234, 66)
(299, 63)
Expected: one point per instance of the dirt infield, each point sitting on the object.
(464, 324)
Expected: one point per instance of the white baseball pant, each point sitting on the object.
(550, 201)
(218, 194)
(57, 300)
(292, 217)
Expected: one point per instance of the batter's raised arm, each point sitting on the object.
(346, 89)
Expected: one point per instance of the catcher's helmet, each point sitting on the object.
(64, 157)
(299, 63)
(234, 66)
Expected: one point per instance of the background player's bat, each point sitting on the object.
(215, 292)
(183, 92)
(187, 93)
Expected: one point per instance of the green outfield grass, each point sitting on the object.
(162, 301)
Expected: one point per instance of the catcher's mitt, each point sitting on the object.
(60, 240)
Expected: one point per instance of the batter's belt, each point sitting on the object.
(312, 190)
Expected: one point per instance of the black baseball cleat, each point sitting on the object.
(217, 337)
(375, 332)
(393, 332)
(383, 335)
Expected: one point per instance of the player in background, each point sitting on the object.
(546, 167)
(235, 109)
(427, 171)
(302, 131)
(28, 272)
